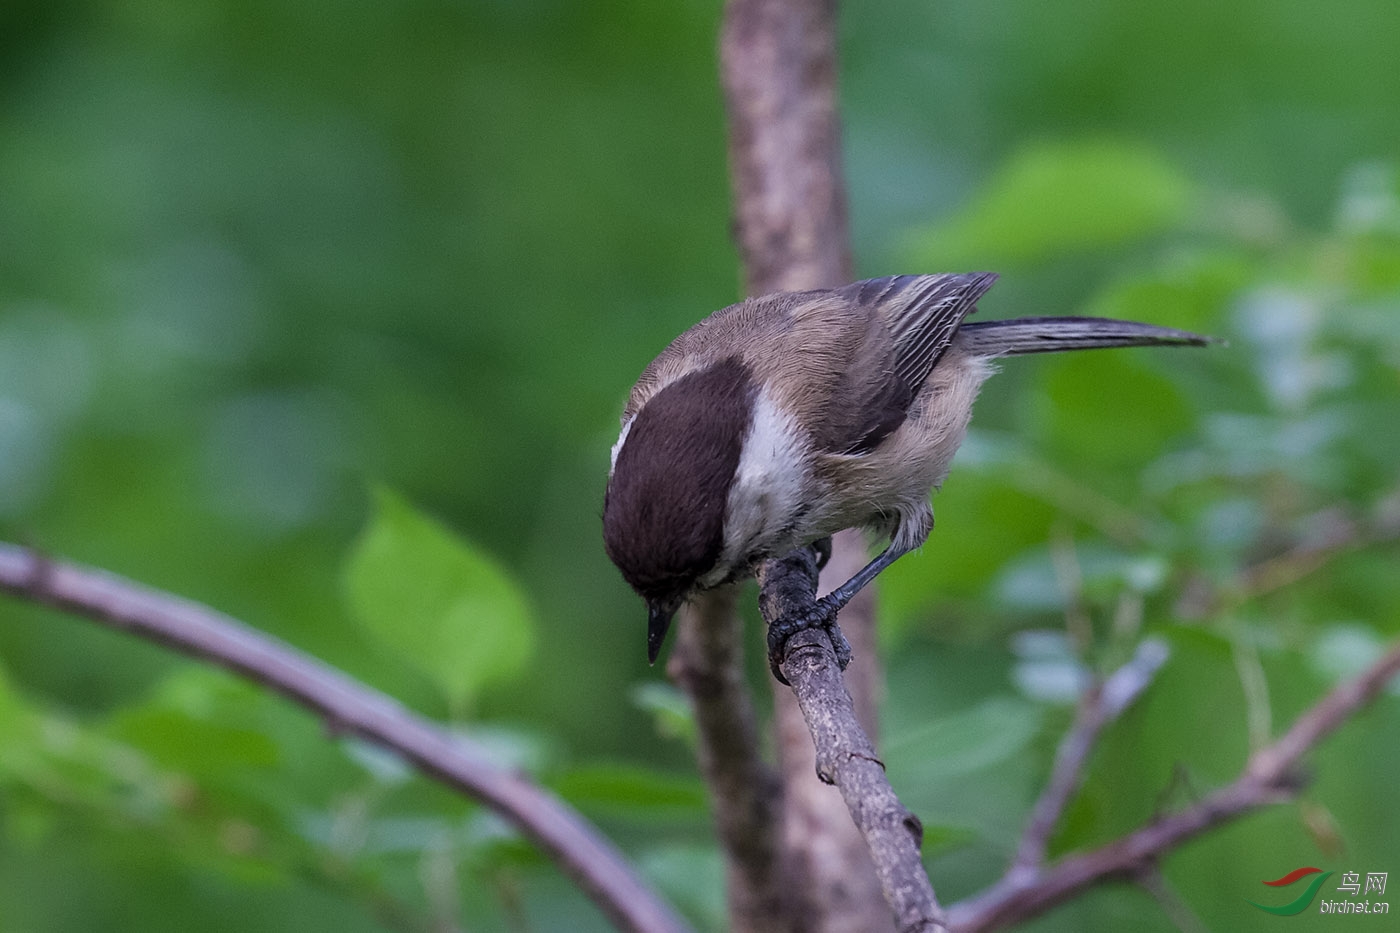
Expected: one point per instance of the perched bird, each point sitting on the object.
(781, 420)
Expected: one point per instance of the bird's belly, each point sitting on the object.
(894, 479)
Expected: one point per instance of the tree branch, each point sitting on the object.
(579, 850)
(832, 855)
(1270, 776)
(1102, 704)
(745, 792)
(844, 755)
(778, 69)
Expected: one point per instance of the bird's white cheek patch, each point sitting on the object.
(768, 484)
(621, 439)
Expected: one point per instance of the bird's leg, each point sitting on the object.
(822, 614)
(847, 591)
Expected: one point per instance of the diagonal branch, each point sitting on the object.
(845, 755)
(1270, 776)
(579, 850)
(1101, 705)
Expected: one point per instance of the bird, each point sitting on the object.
(777, 421)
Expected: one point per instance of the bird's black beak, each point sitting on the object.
(658, 621)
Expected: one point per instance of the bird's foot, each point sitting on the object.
(822, 615)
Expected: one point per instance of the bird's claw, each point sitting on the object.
(822, 615)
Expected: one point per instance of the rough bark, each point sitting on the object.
(778, 67)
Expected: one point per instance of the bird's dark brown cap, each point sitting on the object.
(663, 515)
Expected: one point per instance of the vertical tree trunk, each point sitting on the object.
(778, 66)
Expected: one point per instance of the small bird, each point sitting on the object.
(778, 421)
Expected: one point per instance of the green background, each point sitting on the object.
(280, 280)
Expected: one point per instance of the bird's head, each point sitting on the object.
(664, 512)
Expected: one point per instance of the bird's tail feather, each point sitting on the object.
(1051, 334)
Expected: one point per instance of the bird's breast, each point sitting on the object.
(771, 492)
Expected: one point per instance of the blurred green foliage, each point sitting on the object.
(258, 259)
(438, 602)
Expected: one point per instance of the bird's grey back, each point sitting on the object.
(846, 362)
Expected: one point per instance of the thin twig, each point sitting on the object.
(1077, 499)
(1070, 576)
(348, 706)
(1151, 880)
(1100, 705)
(1270, 776)
(845, 756)
(1254, 684)
(1332, 534)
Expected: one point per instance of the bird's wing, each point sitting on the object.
(921, 314)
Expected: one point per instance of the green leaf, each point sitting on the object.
(964, 742)
(194, 745)
(1109, 408)
(1056, 198)
(981, 519)
(14, 712)
(624, 790)
(939, 838)
(488, 843)
(1190, 291)
(670, 709)
(691, 877)
(441, 604)
(1031, 583)
(1344, 650)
